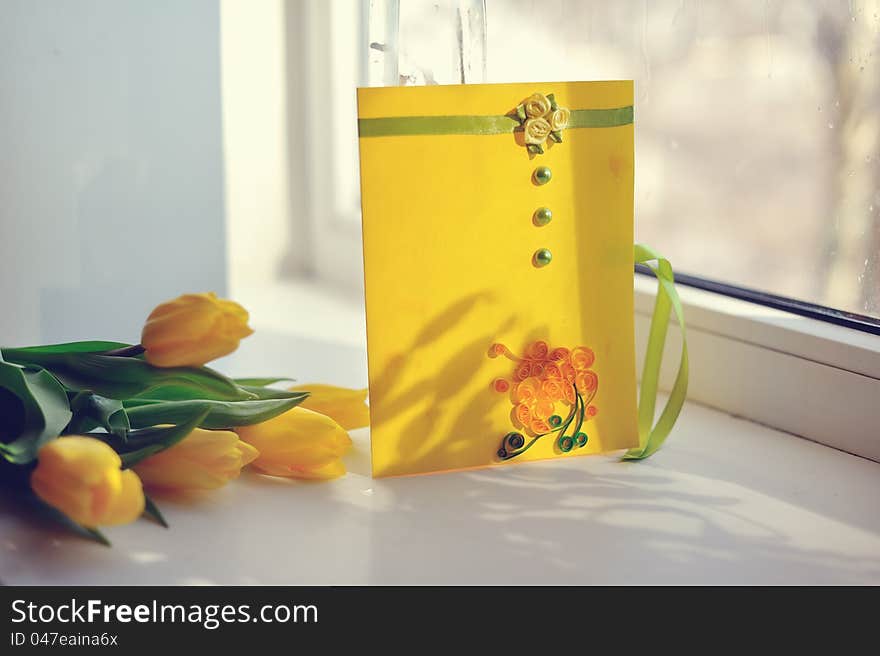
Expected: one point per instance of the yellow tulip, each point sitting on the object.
(300, 444)
(82, 477)
(193, 329)
(203, 460)
(347, 407)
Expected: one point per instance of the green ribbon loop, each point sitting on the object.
(399, 126)
(651, 439)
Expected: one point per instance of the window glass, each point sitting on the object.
(758, 129)
(757, 123)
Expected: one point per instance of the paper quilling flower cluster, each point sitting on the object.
(88, 429)
(551, 391)
(541, 119)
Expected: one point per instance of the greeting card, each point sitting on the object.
(498, 258)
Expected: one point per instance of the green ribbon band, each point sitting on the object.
(400, 126)
(651, 439)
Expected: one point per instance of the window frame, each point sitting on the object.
(334, 231)
(807, 376)
(794, 306)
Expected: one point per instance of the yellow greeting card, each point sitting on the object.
(498, 256)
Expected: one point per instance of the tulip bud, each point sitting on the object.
(82, 477)
(299, 443)
(203, 460)
(347, 407)
(193, 329)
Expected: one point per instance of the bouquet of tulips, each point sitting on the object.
(88, 429)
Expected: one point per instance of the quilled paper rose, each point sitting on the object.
(523, 371)
(582, 358)
(527, 390)
(559, 354)
(539, 426)
(83, 478)
(554, 389)
(586, 381)
(552, 370)
(523, 414)
(193, 329)
(537, 350)
(543, 409)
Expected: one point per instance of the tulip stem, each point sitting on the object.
(126, 352)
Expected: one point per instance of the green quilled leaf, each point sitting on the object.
(124, 377)
(33, 410)
(219, 414)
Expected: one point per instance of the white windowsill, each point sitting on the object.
(803, 376)
(725, 501)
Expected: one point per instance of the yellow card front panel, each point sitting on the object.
(448, 257)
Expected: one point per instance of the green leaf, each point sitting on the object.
(142, 444)
(72, 347)
(271, 393)
(219, 414)
(151, 509)
(171, 393)
(124, 377)
(33, 410)
(552, 99)
(556, 135)
(91, 410)
(174, 393)
(39, 510)
(260, 382)
(96, 535)
(520, 112)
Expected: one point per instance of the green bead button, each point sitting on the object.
(543, 257)
(542, 175)
(542, 216)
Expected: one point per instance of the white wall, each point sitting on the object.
(111, 163)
